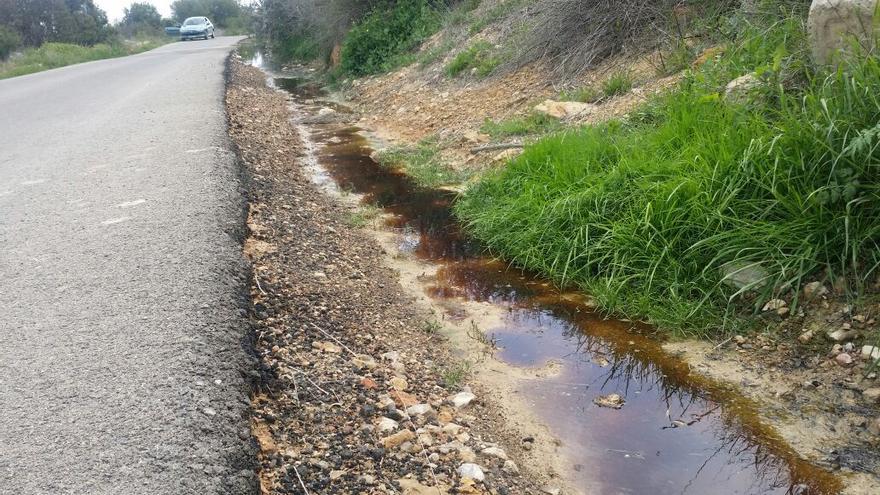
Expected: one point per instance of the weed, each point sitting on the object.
(498, 11)
(532, 124)
(646, 213)
(480, 57)
(488, 341)
(363, 216)
(617, 84)
(423, 162)
(454, 375)
(586, 94)
(432, 327)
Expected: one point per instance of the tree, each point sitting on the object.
(219, 11)
(66, 21)
(9, 41)
(141, 15)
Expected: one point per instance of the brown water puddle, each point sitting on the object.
(678, 432)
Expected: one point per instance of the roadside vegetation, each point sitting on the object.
(663, 214)
(37, 35)
(423, 162)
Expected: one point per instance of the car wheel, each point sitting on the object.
(212, 34)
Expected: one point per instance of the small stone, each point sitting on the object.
(444, 417)
(451, 428)
(870, 352)
(843, 359)
(209, 411)
(495, 452)
(774, 304)
(418, 409)
(397, 439)
(814, 290)
(805, 337)
(551, 490)
(336, 474)
(472, 471)
(843, 334)
(404, 399)
(565, 109)
(367, 479)
(740, 89)
(368, 383)
(384, 425)
(874, 426)
(466, 454)
(364, 361)
(613, 401)
(392, 356)
(872, 395)
(740, 340)
(328, 347)
(462, 399)
(510, 467)
(399, 383)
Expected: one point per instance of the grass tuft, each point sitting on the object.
(479, 57)
(423, 162)
(532, 124)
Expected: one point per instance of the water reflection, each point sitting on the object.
(678, 432)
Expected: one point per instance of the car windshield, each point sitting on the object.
(194, 21)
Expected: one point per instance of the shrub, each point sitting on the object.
(9, 41)
(387, 32)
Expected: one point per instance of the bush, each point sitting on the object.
(9, 41)
(386, 33)
(650, 214)
(478, 56)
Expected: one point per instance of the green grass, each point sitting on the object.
(617, 84)
(454, 376)
(480, 57)
(363, 216)
(585, 94)
(54, 55)
(645, 213)
(423, 162)
(532, 124)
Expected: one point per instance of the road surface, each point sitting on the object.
(122, 330)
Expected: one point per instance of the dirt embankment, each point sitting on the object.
(353, 396)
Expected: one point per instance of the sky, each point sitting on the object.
(113, 8)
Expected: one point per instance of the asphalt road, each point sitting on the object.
(122, 324)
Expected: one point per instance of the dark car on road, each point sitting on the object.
(196, 27)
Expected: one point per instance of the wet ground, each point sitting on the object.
(677, 431)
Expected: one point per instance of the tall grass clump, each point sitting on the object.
(479, 57)
(656, 215)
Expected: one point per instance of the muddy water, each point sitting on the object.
(678, 433)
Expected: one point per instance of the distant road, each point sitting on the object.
(121, 280)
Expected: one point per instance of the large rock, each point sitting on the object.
(742, 89)
(835, 26)
(565, 109)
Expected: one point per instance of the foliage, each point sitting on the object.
(649, 213)
(140, 18)
(584, 94)
(9, 41)
(219, 11)
(64, 21)
(533, 123)
(388, 31)
(479, 56)
(53, 55)
(423, 163)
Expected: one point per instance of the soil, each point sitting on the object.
(344, 351)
